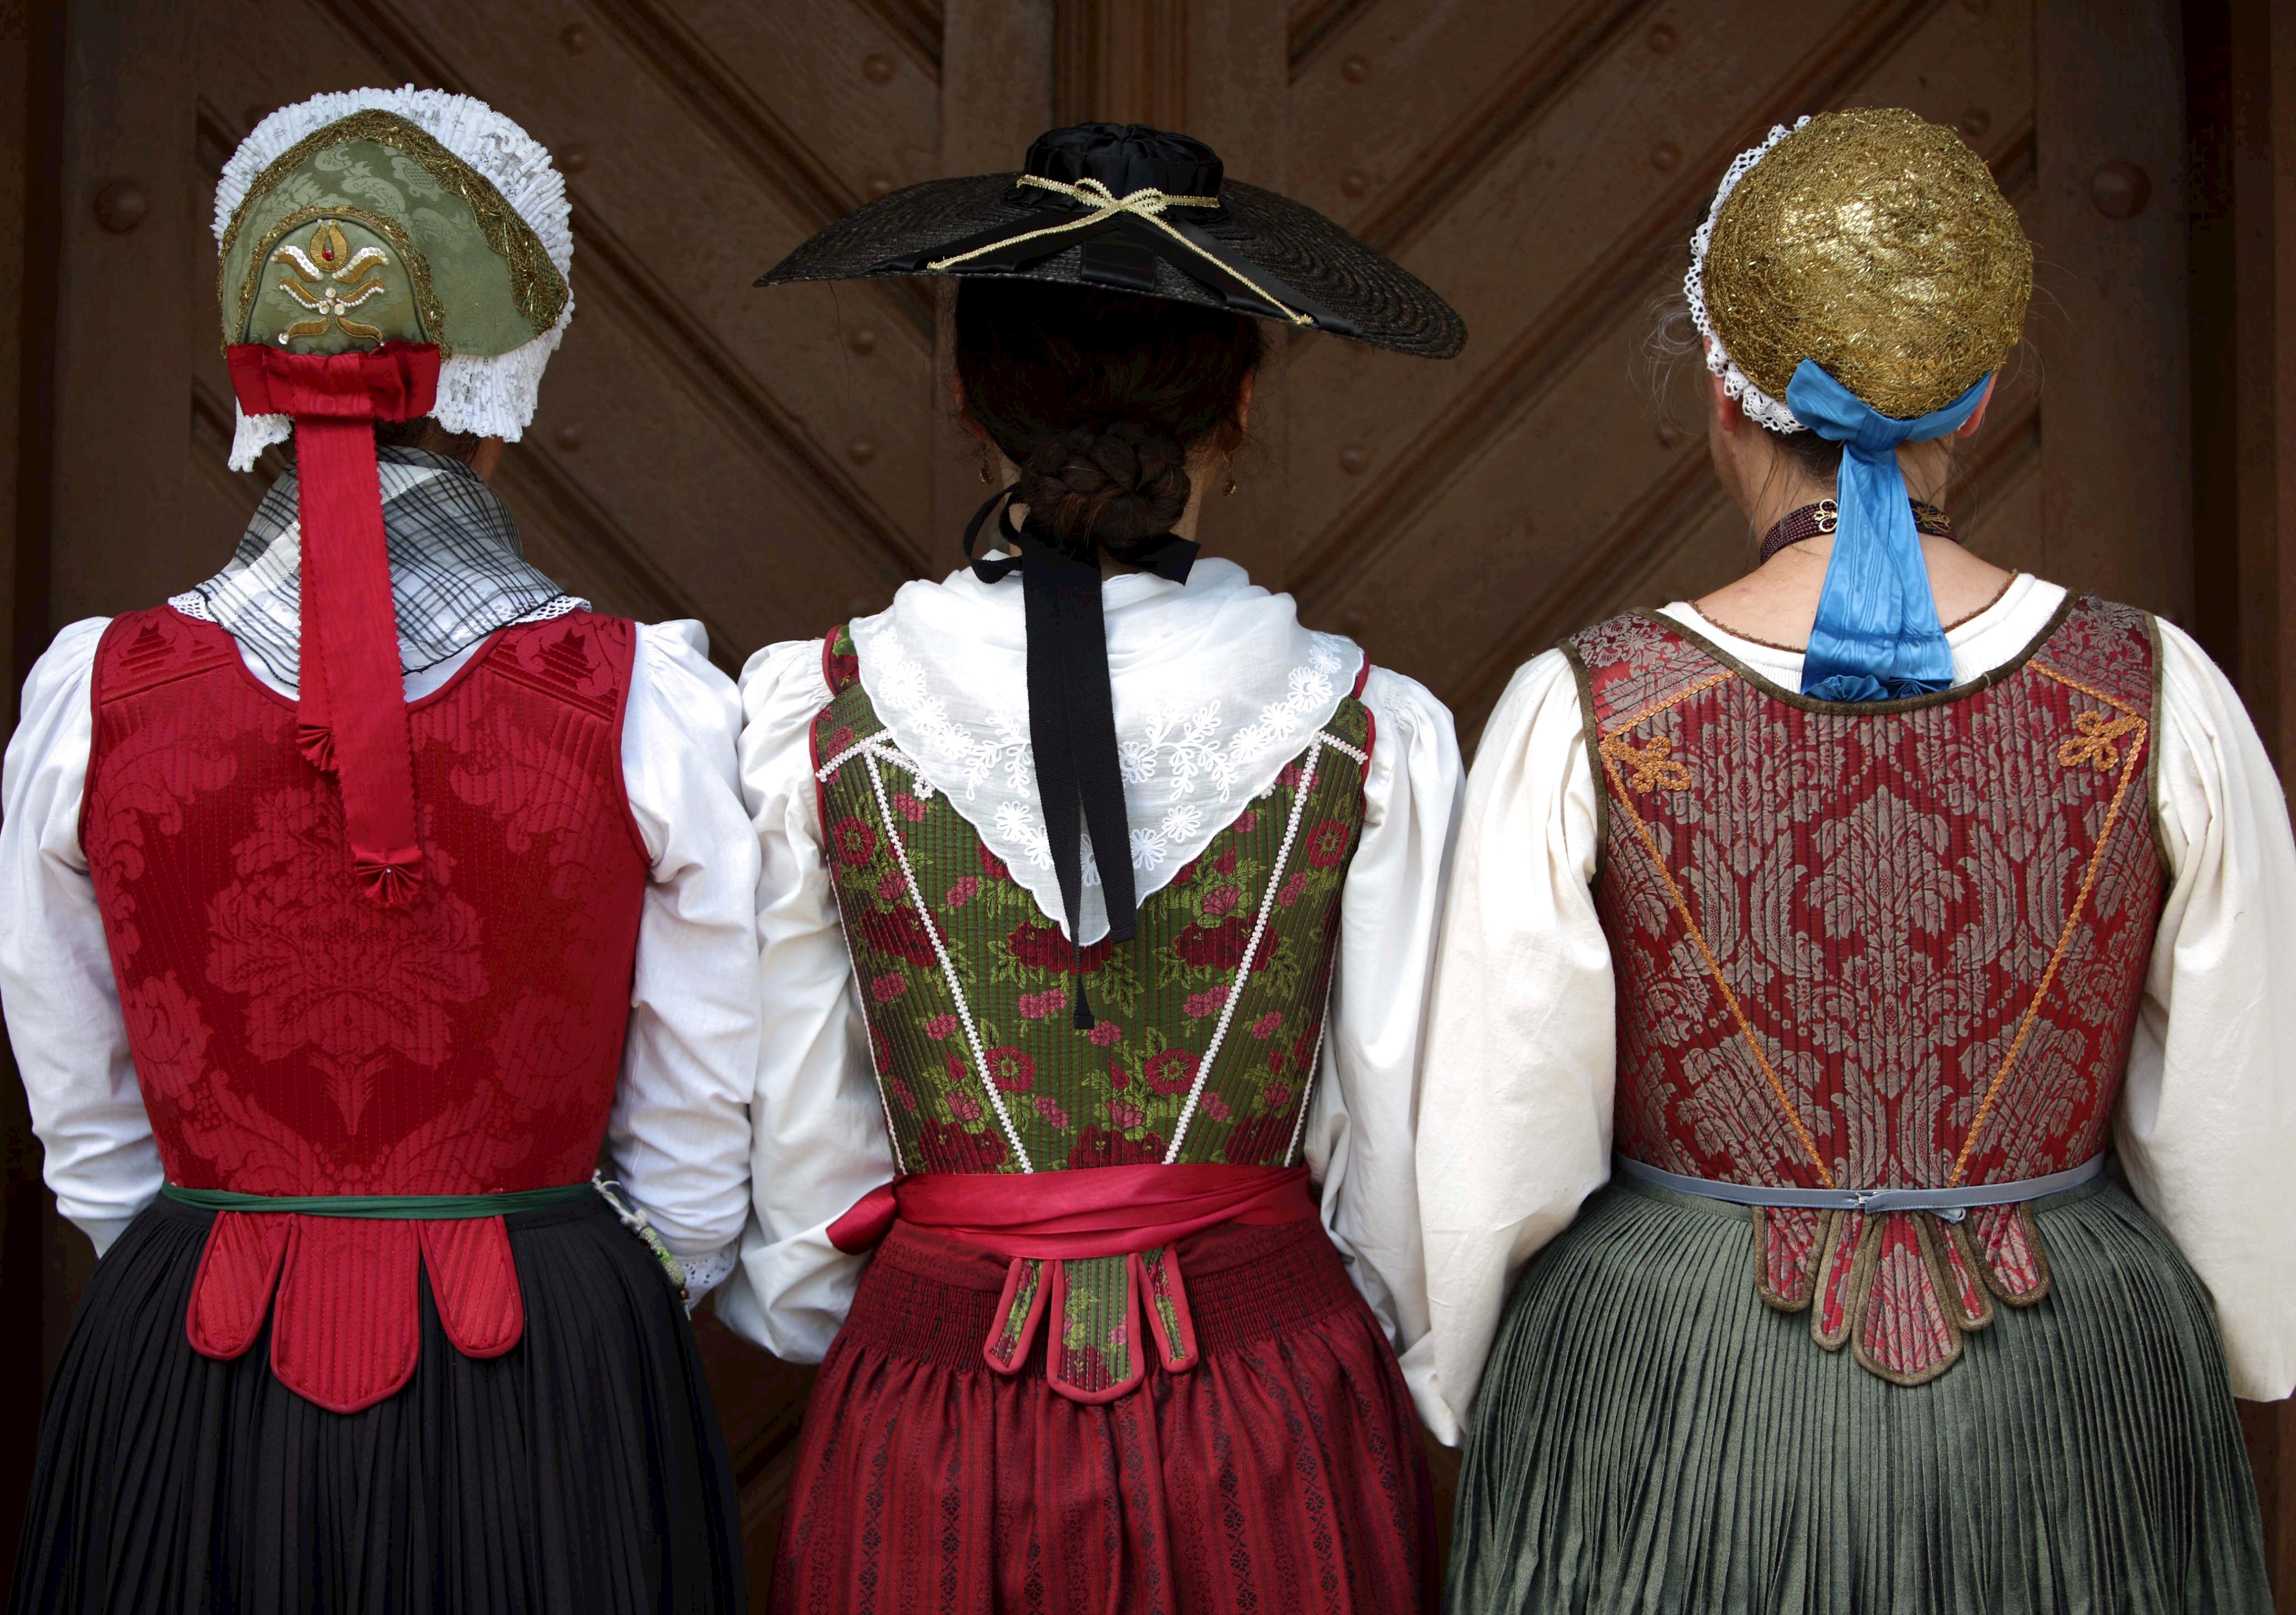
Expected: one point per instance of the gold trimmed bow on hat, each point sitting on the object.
(1145, 203)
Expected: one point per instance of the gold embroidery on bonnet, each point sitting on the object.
(538, 290)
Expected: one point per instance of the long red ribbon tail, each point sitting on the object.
(350, 693)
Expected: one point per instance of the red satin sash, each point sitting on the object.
(1033, 1218)
(351, 706)
(1094, 1212)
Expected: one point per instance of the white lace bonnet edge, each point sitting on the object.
(1765, 409)
(493, 395)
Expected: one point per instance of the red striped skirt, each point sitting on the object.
(1283, 1472)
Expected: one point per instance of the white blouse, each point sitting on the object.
(1515, 1122)
(820, 1143)
(680, 1126)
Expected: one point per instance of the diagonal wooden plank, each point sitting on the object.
(751, 130)
(1644, 531)
(915, 25)
(1647, 249)
(1315, 24)
(1449, 166)
(744, 126)
(618, 277)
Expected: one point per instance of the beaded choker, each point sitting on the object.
(1813, 521)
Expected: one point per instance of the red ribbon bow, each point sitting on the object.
(351, 710)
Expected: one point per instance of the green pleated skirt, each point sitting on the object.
(1651, 1437)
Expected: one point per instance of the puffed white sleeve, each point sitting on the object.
(1515, 1124)
(2208, 1121)
(680, 1128)
(56, 984)
(820, 1143)
(1359, 1131)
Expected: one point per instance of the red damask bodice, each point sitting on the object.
(292, 1038)
(1896, 943)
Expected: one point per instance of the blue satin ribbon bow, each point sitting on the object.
(1877, 635)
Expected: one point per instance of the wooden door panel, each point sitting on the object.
(1393, 95)
(686, 218)
(1553, 438)
(860, 95)
(1544, 247)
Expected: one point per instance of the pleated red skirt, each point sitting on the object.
(1284, 1472)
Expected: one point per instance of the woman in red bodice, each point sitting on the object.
(1907, 942)
(351, 903)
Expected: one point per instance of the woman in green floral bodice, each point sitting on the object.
(1092, 1177)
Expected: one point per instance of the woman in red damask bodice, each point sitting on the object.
(1098, 908)
(1908, 944)
(351, 903)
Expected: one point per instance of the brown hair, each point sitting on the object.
(1100, 399)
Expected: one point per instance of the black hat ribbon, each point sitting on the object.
(1072, 712)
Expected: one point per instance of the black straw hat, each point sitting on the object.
(1136, 209)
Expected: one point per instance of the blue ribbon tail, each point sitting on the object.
(1877, 635)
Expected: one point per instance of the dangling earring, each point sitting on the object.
(1229, 491)
(985, 478)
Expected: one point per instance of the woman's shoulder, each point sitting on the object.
(790, 679)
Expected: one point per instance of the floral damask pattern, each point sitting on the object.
(290, 1039)
(1865, 947)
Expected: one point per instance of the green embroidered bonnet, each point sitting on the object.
(414, 216)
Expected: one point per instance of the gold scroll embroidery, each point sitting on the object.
(1654, 767)
(2096, 741)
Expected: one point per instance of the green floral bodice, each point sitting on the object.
(1200, 1053)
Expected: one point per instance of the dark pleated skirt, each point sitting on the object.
(1282, 1473)
(583, 1470)
(1651, 1437)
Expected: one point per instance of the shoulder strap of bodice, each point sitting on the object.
(141, 650)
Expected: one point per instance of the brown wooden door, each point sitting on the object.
(772, 462)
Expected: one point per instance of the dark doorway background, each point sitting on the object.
(770, 463)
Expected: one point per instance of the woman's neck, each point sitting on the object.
(1782, 487)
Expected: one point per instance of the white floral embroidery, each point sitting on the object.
(961, 710)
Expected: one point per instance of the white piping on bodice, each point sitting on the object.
(876, 750)
(1216, 687)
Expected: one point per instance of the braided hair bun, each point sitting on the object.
(1105, 484)
(1102, 398)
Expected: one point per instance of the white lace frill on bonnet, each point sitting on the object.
(1768, 410)
(492, 395)
(1216, 687)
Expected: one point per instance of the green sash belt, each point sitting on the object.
(413, 1208)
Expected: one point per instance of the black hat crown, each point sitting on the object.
(1126, 157)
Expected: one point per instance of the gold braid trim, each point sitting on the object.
(418, 267)
(538, 290)
(2137, 735)
(1697, 934)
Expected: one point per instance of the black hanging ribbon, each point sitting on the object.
(1072, 712)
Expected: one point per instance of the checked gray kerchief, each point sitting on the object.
(456, 574)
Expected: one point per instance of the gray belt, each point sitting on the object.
(1950, 1204)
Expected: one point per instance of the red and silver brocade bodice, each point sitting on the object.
(292, 1038)
(1210, 1022)
(1894, 945)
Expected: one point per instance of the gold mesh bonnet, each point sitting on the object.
(1875, 244)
